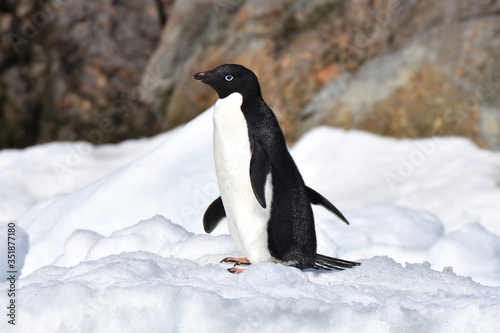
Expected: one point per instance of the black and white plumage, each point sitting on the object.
(263, 195)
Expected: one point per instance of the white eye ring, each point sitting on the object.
(229, 77)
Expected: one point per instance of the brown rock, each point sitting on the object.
(400, 68)
(67, 65)
(440, 83)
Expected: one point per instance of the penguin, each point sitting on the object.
(262, 193)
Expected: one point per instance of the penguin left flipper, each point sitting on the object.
(213, 215)
(260, 167)
(318, 199)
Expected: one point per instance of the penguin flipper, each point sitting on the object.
(260, 167)
(213, 215)
(318, 199)
(330, 263)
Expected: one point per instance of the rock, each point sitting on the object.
(442, 82)
(263, 35)
(194, 29)
(105, 70)
(70, 70)
(399, 68)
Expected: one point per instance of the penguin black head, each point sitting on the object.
(230, 78)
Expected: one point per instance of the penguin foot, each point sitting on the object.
(235, 270)
(237, 261)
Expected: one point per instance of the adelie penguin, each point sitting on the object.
(263, 195)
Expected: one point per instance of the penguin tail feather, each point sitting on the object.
(330, 263)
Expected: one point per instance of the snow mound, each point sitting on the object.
(471, 249)
(175, 179)
(40, 172)
(88, 265)
(157, 277)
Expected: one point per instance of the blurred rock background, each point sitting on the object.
(108, 70)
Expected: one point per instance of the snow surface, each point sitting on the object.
(111, 238)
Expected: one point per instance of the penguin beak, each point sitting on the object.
(200, 76)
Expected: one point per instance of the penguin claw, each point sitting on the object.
(237, 261)
(235, 270)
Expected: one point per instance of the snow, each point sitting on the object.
(110, 238)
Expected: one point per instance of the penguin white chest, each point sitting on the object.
(247, 220)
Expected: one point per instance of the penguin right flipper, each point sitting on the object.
(318, 199)
(260, 167)
(330, 263)
(213, 215)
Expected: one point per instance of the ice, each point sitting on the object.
(110, 238)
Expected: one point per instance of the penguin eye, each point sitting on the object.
(229, 77)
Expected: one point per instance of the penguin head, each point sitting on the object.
(230, 78)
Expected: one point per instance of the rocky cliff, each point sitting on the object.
(106, 70)
(69, 69)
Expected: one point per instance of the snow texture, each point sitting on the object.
(110, 238)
